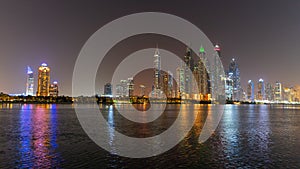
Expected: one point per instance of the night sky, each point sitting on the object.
(263, 36)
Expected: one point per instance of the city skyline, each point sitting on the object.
(236, 92)
(254, 39)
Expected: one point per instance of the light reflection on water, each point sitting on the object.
(248, 136)
(38, 134)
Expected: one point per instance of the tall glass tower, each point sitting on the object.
(30, 82)
(43, 80)
(250, 91)
(234, 74)
(204, 78)
(278, 91)
(157, 75)
(188, 68)
(53, 91)
(261, 95)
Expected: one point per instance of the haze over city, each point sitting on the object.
(261, 36)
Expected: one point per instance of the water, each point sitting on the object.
(248, 136)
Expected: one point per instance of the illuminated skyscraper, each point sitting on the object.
(165, 80)
(197, 85)
(119, 90)
(130, 86)
(167, 84)
(218, 49)
(53, 90)
(204, 78)
(261, 90)
(43, 80)
(30, 82)
(107, 89)
(234, 74)
(170, 84)
(250, 91)
(278, 91)
(269, 92)
(180, 78)
(188, 68)
(228, 88)
(157, 75)
(188, 60)
(217, 76)
(122, 89)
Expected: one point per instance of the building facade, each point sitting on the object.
(43, 80)
(108, 89)
(261, 95)
(250, 91)
(130, 86)
(234, 74)
(156, 92)
(53, 90)
(29, 82)
(278, 91)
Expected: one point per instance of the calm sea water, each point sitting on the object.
(248, 136)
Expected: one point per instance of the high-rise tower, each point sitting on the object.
(250, 91)
(261, 90)
(107, 89)
(278, 91)
(157, 74)
(269, 92)
(30, 82)
(234, 74)
(217, 76)
(130, 86)
(188, 68)
(43, 80)
(53, 90)
(188, 60)
(218, 49)
(204, 78)
(180, 78)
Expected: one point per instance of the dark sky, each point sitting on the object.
(262, 35)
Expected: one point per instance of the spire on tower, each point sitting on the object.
(202, 50)
(156, 51)
(29, 70)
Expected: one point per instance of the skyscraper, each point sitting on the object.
(250, 91)
(157, 75)
(218, 49)
(234, 74)
(188, 67)
(165, 83)
(269, 92)
(228, 88)
(180, 78)
(119, 90)
(43, 80)
(278, 91)
(107, 89)
(197, 85)
(170, 84)
(203, 72)
(261, 90)
(130, 86)
(122, 89)
(188, 60)
(53, 90)
(30, 82)
(217, 76)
